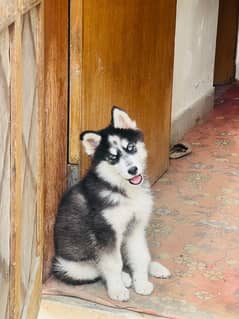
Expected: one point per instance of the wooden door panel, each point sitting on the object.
(224, 70)
(127, 60)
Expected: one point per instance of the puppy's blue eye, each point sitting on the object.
(131, 148)
(112, 157)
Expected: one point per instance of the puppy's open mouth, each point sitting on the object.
(136, 180)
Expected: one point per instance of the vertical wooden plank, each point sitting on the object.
(16, 164)
(33, 296)
(56, 77)
(30, 149)
(76, 74)
(41, 133)
(33, 301)
(5, 75)
(30, 257)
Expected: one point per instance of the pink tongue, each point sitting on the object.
(136, 180)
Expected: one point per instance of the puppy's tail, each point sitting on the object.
(73, 273)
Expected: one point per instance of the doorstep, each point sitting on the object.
(59, 307)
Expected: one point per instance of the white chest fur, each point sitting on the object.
(137, 204)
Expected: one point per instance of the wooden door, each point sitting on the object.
(224, 70)
(21, 157)
(122, 54)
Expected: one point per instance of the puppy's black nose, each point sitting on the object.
(133, 170)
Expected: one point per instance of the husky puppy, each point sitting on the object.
(101, 221)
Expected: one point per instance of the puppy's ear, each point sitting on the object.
(90, 141)
(120, 119)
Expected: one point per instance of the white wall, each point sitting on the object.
(195, 43)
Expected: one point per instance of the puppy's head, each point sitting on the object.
(118, 151)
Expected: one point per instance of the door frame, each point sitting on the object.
(56, 118)
(64, 82)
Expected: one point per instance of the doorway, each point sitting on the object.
(128, 63)
(225, 65)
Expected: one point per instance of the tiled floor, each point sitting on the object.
(195, 227)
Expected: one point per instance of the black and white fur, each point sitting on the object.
(101, 221)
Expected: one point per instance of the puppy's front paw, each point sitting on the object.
(158, 270)
(119, 294)
(127, 281)
(143, 287)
